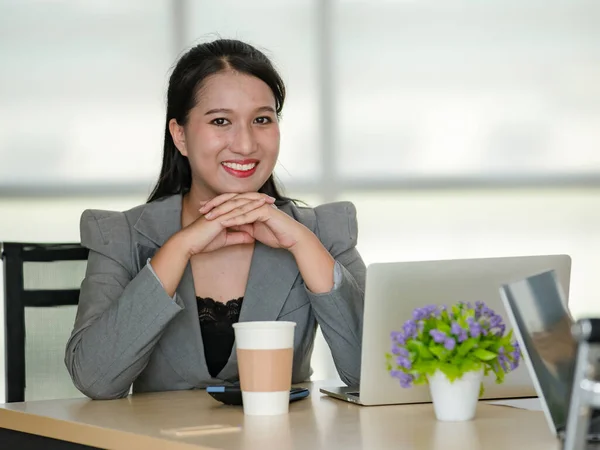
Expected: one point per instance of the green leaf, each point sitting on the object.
(466, 346)
(388, 361)
(443, 327)
(451, 372)
(437, 350)
(456, 360)
(420, 379)
(484, 355)
(456, 310)
(481, 390)
(469, 365)
(444, 316)
(424, 368)
(424, 351)
(495, 346)
(485, 344)
(500, 376)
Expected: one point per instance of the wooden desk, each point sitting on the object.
(144, 421)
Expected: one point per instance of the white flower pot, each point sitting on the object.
(456, 401)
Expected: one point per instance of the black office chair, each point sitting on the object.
(41, 291)
(585, 394)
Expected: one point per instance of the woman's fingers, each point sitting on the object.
(246, 228)
(244, 209)
(240, 217)
(228, 207)
(217, 206)
(218, 200)
(237, 238)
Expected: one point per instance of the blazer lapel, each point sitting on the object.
(272, 274)
(181, 342)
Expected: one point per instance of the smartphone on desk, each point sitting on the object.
(232, 395)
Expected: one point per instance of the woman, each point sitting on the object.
(215, 243)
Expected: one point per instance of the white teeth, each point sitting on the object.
(236, 166)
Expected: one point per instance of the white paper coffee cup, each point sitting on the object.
(265, 353)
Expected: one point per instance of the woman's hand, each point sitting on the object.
(265, 223)
(204, 235)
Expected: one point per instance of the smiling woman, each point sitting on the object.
(166, 280)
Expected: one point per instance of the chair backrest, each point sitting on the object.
(41, 292)
(586, 389)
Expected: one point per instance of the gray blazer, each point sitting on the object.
(129, 331)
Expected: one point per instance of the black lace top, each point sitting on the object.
(216, 320)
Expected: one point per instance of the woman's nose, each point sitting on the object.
(244, 142)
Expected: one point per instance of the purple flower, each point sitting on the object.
(424, 312)
(400, 351)
(500, 331)
(398, 336)
(503, 359)
(403, 361)
(474, 327)
(410, 329)
(438, 336)
(495, 321)
(515, 356)
(419, 313)
(516, 353)
(486, 312)
(406, 379)
(478, 308)
(449, 343)
(459, 332)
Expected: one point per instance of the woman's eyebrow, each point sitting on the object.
(266, 109)
(229, 111)
(218, 111)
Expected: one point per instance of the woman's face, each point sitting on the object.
(232, 135)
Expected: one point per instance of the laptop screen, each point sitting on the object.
(544, 323)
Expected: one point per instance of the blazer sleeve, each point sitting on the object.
(339, 312)
(121, 314)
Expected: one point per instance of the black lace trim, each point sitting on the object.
(210, 310)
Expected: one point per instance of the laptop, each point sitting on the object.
(394, 290)
(542, 326)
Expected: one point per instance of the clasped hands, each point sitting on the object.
(233, 219)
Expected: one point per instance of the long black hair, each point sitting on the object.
(191, 70)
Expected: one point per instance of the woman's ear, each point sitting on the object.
(178, 135)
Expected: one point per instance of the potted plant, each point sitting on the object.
(451, 349)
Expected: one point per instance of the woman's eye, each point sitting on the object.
(220, 122)
(263, 120)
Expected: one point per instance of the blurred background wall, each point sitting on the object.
(458, 128)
